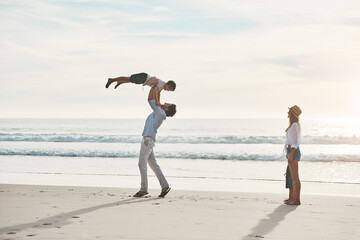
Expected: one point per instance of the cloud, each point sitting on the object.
(160, 9)
(243, 53)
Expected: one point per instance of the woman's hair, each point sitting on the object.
(292, 119)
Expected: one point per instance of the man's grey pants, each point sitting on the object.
(147, 156)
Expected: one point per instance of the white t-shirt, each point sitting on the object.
(149, 79)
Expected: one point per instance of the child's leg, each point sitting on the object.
(119, 80)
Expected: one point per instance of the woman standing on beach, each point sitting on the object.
(292, 143)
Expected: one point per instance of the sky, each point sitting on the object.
(230, 59)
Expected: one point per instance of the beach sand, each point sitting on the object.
(63, 212)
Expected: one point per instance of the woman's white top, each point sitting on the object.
(293, 136)
(160, 84)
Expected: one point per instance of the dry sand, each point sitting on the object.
(53, 212)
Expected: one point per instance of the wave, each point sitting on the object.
(223, 139)
(177, 155)
(68, 137)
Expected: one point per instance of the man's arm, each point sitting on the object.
(151, 94)
(157, 96)
(154, 94)
(151, 100)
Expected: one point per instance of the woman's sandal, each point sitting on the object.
(140, 194)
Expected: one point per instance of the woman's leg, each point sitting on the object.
(119, 80)
(291, 193)
(289, 184)
(294, 169)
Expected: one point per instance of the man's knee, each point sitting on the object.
(142, 163)
(152, 161)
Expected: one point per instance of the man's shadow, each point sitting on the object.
(63, 219)
(269, 223)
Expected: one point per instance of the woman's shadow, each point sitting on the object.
(269, 223)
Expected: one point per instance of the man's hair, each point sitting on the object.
(171, 84)
(170, 112)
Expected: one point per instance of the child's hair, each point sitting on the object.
(170, 112)
(171, 84)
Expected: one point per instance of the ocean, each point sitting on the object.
(105, 151)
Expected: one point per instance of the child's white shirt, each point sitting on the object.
(149, 79)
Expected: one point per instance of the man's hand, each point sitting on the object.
(154, 81)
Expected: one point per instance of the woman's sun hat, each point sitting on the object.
(295, 110)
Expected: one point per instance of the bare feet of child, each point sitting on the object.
(118, 84)
(110, 81)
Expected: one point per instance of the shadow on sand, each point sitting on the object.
(269, 223)
(62, 219)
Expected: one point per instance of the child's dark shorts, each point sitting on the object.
(296, 156)
(138, 78)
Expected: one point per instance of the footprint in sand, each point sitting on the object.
(257, 236)
(31, 235)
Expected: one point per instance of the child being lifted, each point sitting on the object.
(144, 79)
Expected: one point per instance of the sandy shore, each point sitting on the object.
(53, 212)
